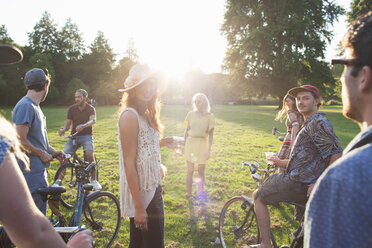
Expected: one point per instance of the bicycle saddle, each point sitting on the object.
(51, 190)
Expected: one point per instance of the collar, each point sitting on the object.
(361, 139)
(314, 116)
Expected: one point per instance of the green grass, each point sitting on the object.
(242, 133)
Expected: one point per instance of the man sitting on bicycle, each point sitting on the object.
(316, 146)
(82, 116)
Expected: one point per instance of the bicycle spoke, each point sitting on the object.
(238, 225)
(102, 216)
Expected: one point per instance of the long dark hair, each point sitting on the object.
(282, 114)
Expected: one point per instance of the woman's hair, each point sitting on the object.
(205, 102)
(151, 112)
(282, 113)
(9, 135)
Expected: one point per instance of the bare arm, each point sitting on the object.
(283, 163)
(91, 122)
(16, 206)
(128, 124)
(65, 128)
(186, 134)
(332, 159)
(22, 131)
(208, 154)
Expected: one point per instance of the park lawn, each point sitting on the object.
(242, 133)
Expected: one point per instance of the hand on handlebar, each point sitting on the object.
(274, 159)
(59, 155)
(46, 157)
(79, 128)
(61, 131)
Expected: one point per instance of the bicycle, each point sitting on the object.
(68, 199)
(238, 222)
(101, 210)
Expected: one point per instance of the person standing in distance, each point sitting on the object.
(82, 116)
(31, 127)
(339, 210)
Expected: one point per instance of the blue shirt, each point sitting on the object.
(339, 211)
(315, 143)
(29, 113)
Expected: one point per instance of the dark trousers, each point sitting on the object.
(154, 237)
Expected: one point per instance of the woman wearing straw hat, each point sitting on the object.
(139, 158)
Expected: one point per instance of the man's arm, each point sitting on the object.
(16, 205)
(91, 122)
(22, 131)
(65, 128)
(332, 159)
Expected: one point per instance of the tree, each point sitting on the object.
(4, 36)
(358, 8)
(44, 37)
(121, 71)
(71, 88)
(71, 42)
(98, 64)
(276, 45)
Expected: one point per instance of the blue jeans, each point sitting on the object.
(154, 237)
(86, 141)
(36, 180)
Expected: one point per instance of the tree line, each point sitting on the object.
(272, 46)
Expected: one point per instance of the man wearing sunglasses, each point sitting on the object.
(339, 211)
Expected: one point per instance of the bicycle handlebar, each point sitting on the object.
(69, 136)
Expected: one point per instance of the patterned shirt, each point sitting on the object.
(339, 212)
(314, 144)
(4, 147)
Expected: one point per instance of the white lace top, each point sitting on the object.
(147, 164)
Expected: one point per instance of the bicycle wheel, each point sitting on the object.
(67, 174)
(238, 224)
(102, 216)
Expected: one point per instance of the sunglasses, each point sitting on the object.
(348, 62)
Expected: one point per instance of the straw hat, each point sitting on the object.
(9, 54)
(137, 75)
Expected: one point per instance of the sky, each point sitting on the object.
(171, 35)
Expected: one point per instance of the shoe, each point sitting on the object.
(96, 185)
(57, 183)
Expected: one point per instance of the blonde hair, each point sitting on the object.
(205, 102)
(9, 135)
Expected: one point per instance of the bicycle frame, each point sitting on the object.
(254, 168)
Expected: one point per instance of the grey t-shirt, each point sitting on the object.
(28, 112)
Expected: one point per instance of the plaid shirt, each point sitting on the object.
(4, 147)
(314, 144)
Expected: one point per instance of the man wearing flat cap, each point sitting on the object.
(31, 127)
(316, 146)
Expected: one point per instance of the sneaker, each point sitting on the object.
(57, 183)
(96, 185)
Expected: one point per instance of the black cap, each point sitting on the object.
(36, 76)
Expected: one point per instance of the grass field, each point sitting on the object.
(242, 133)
